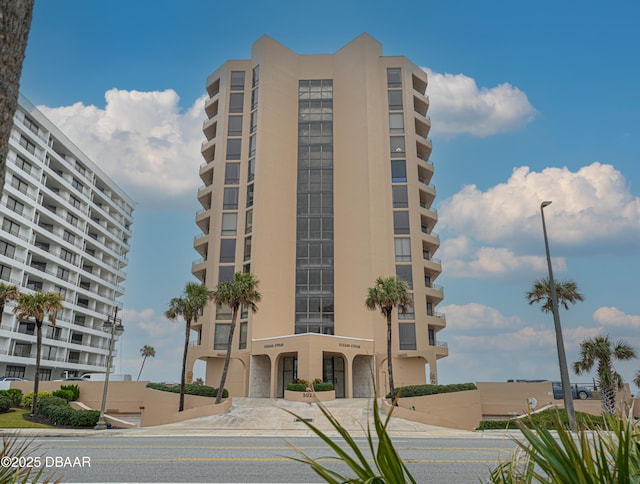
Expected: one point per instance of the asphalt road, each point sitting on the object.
(251, 459)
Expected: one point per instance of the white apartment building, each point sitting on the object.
(66, 227)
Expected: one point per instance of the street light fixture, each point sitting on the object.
(562, 358)
(114, 326)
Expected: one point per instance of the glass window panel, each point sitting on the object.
(229, 223)
(256, 75)
(254, 121)
(394, 77)
(243, 336)
(401, 222)
(230, 200)
(397, 147)
(227, 250)
(235, 126)
(236, 101)
(237, 80)
(398, 171)
(232, 173)
(403, 273)
(251, 170)
(250, 195)
(409, 314)
(252, 145)
(233, 149)
(221, 338)
(403, 250)
(407, 336)
(395, 100)
(247, 248)
(396, 122)
(400, 197)
(225, 274)
(248, 225)
(254, 98)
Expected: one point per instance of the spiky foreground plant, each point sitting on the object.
(389, 467)
(19, 465)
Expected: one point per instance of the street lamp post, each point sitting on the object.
(562, 358)
(114, 326)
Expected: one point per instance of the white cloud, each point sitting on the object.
(143, 140)
(477, 316)
(611, 316)
(595, 196)
(458, 106)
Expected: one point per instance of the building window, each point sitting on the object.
(14, 371)
(396, 123)
(403, 273)
(234, 147)
(250, 195)
(229, 223)
(432, 337)
(252, 145)
(5, 272)
(7, 249)
(400, 197)
(30, 123)
(237, 81)
(63, 273)
(398, 171)
(15, 205)
(242, 345)
(394, 77)
(256, 76)
(225, 274)
(72, 219)
(230, 200)
(254, 122)
(410, 314)
(77, 185)
(83, 302)
(397, 147)
(235, 126)
(80, 167)
(66, 255)
(403, 250)
(27, 145)
(252, 170)
(254, 98)
(10, 226)
(228, 250)
(221, 338)
(223, 312)
(19, 184)
(247, 248)
(236, 101)
(68, 237)
(23, 164)
(429, 308)
(401, 222)
(395, 100)
(407, 336)
(232, 173)
(74, 201)
(248, 223)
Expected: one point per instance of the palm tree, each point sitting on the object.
(15, 22)
(636, 379)
(600, 350)
(242, 291)
(8, 292)
(387, 293)
(145, 352)
(38, 306)
(566, 293)
(189, 307)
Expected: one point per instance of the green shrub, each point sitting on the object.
(66, 394)
(14, 394)
(74, 389)
(546, 419)
(322, 386)
(61, 415)
(47, 404)
(85, 418)
(190, 389)
(297, 387)
(302, 386)
(5, 404)
(28, 398)
(421, 390)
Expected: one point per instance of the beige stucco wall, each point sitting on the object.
(309, 397)
(162, 407)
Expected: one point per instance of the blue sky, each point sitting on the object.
(529, 101)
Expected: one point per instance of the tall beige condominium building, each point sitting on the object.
(317, 180)
(66, 228)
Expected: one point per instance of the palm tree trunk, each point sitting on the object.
(608, 401)
(15, 22)
(392, 388)
(144, 358)
(36, 380)
(227, 357)
(184, 364)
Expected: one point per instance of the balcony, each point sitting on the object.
(432, 264)
(441, 347)
(211, 107)
(434, 292)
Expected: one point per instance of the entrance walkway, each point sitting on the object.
(268, 417)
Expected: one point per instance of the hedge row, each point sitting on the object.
(420, 390)
(59, 412)
(545, 419)
(302, 387)
(190, 389)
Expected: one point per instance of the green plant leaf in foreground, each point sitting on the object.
(389, 467)
(15, 447)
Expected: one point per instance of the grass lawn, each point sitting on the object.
(13, 420)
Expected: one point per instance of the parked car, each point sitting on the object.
(580, 392)
(12, 378)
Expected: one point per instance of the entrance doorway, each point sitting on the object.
(288, 373)
(333, 372)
